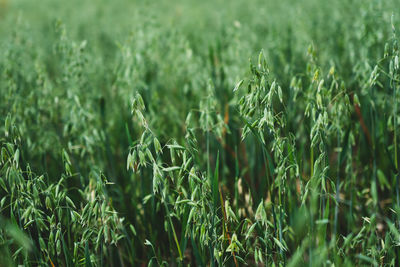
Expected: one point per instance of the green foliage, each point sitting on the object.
(136, 133)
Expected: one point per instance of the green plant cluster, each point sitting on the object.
(139, 133)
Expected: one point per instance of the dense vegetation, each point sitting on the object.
(138, 133)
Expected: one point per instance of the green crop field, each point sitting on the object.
(199, 133)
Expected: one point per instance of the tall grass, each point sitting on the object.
(139, 133)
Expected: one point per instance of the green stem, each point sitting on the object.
(312, 161)
(173, 231)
